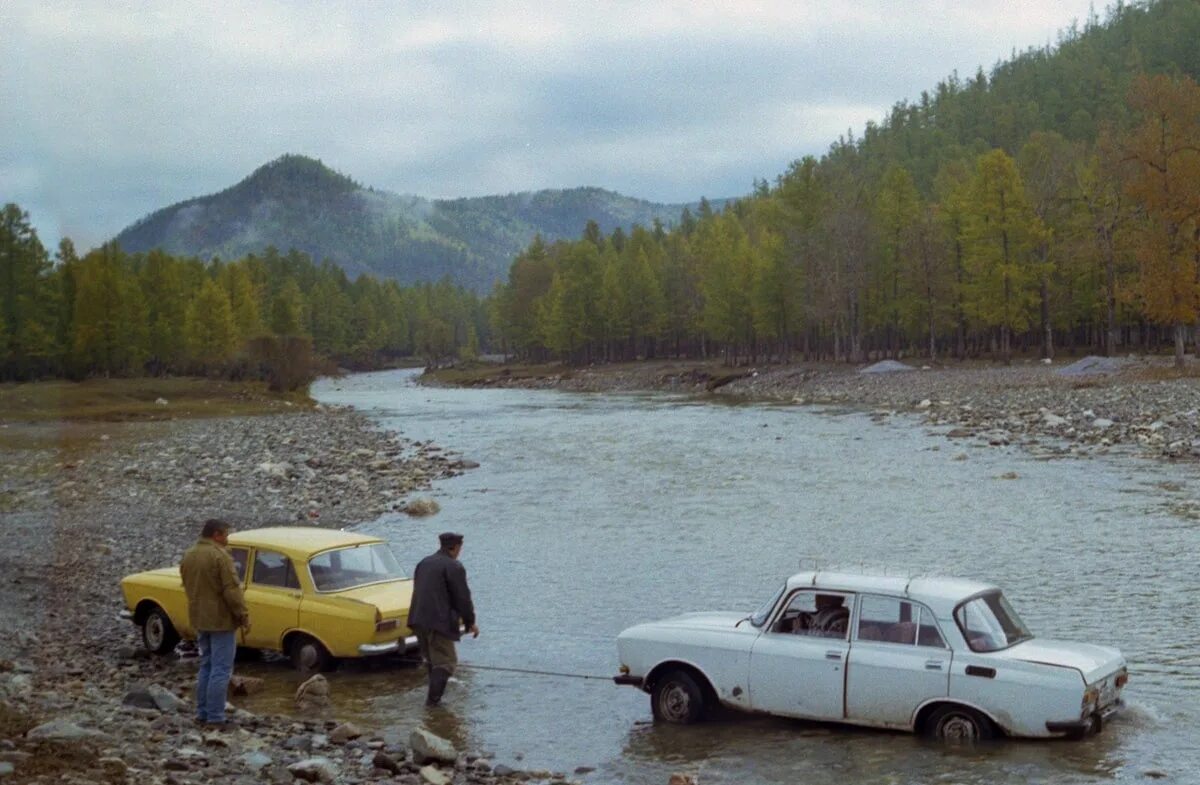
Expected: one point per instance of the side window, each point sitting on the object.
(928, 634)
(274, 569)
(239, 562)
(888, 619)
(814, 613)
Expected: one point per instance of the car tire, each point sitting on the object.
(677, 698)
(958, 725)
(309, 655)
(158, 634)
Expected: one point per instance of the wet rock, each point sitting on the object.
(140, 697)
(256, 760)
(314, 770)
(433, 776)
(386, 762)
(313, 694)
(679, 778)
(421, 507)
(63, 731)
(245, 685)
(427, 746)
(344, 733)
(165, 700)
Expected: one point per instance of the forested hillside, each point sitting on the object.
(260, 316)
(297, 202)
(1052, 203)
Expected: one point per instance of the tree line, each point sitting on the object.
(1056, 205)
(262, 316)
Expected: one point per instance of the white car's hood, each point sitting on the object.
(1094, 662)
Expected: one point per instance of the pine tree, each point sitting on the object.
(210, 330)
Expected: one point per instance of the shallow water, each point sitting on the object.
(590, 513)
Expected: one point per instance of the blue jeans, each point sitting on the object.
(217, 650)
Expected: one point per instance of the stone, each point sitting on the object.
(256, 761)
(679, 778)
(6, 769)
(314, 770)
(1051, 420)
(433, 776)
(114, 768)
(1101, 423)
(386, 762)
(164, 699)
(504, 771)
(301, 743)
(427, 746)
(64, 731)
(925, 404)
(139, 697)
(422, 507)
(161, 401)
(344, 733)
(245, 685)
(312, 689)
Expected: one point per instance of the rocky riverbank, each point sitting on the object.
(1071, 407)
(81, 505)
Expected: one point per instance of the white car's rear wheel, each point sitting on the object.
(158, 634)
(677, 698)
(958, 725)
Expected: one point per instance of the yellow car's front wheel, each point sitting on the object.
(309, 655)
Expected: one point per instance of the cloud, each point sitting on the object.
(116, 109)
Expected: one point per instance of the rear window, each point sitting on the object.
(347, 568)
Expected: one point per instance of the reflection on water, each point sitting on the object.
(591, 512)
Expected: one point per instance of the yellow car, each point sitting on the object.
(315, 595)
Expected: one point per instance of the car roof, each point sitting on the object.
(299, 541)
(940, 594)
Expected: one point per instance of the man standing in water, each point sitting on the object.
(441, 602)
(216, 608)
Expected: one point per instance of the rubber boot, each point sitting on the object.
(438, 678)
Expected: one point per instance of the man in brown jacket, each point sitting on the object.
(441, 601)
(216, 609)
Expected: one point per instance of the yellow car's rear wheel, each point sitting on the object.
(158, 634)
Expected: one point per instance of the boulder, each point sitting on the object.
(245, 685)
(314, 770)
(422, 507)
(64, 731)
(314, 688)
(164, 699)
(386, 762)
(140, 698)
(432, 776)
(427, 747)
(344, 733)
(256, 761)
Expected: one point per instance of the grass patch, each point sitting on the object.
(124, 400)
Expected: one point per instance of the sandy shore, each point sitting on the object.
(82, 505)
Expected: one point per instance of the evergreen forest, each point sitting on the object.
(1051, 205)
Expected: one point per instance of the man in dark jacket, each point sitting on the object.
(441, 607)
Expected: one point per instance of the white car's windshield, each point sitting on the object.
(760, 616)
(989, 623)
(357, 566)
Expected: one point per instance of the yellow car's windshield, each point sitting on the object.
(347, 568)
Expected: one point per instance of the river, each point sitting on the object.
(590, 513)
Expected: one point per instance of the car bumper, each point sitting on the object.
(1082, 727)
(373, 649)
(625, 679)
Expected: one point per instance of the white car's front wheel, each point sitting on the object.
(677, 698)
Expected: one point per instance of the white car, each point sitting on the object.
(941, 656)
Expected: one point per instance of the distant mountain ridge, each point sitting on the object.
(298, 202)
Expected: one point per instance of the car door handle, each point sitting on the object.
(833, 655)
(934, 665)
(297, 596)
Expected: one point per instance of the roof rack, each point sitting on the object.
(887, 570)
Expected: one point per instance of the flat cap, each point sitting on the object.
(450, 539)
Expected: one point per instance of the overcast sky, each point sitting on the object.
(112, 110)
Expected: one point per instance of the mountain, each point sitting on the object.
(298, 202)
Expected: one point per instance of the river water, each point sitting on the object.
(590, 513)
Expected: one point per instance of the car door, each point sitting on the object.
(797, 666)
(897, 662)
(273, 598)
